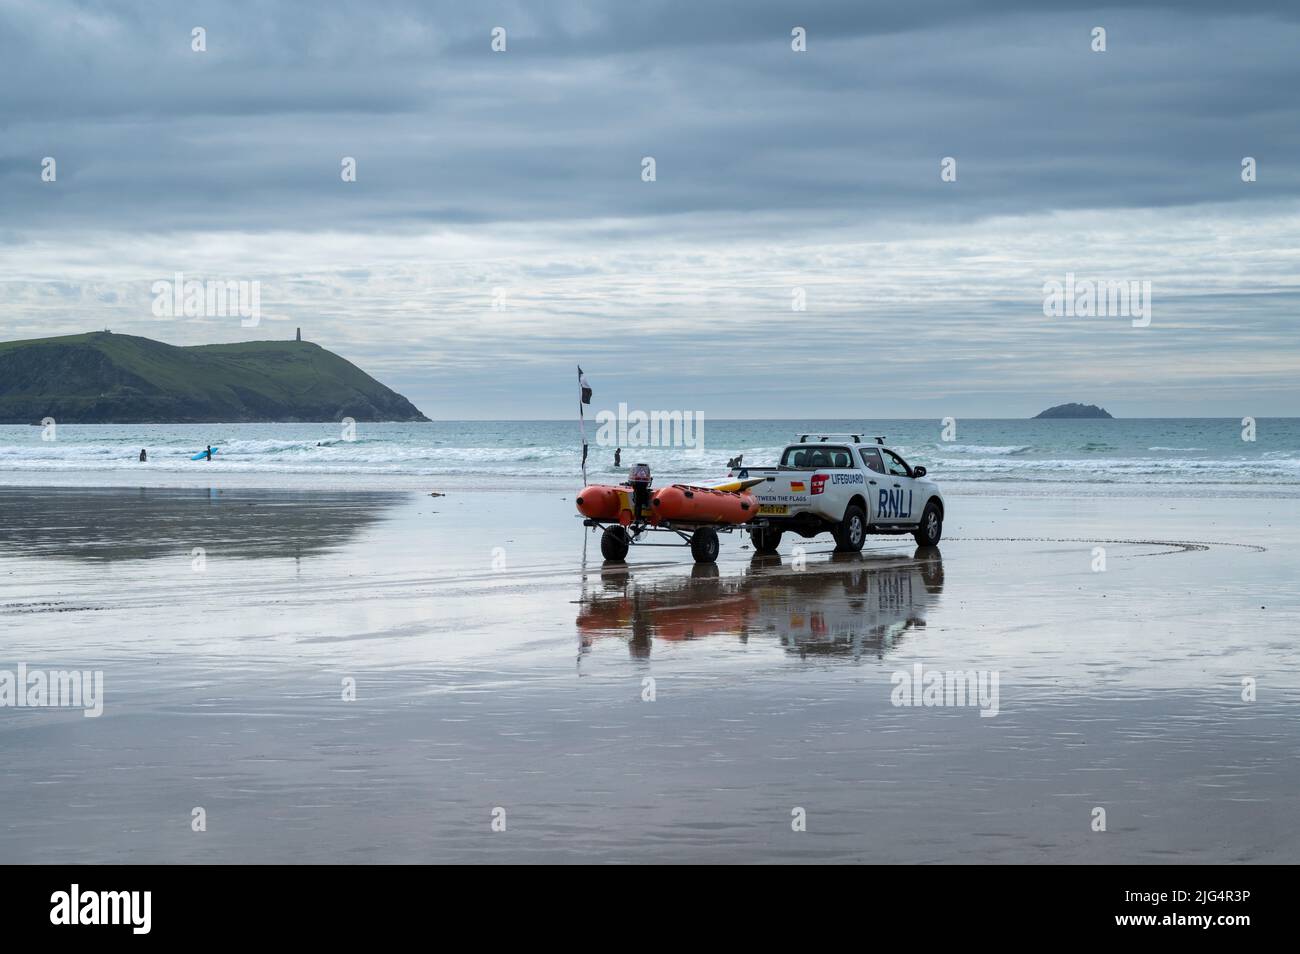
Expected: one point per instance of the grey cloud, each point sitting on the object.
(250, 134)
(774, 169)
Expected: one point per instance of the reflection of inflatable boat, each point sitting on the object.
(850, 605)
(700, 606)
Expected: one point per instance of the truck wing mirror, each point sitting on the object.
(918, 471)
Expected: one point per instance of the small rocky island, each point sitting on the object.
(1074, 412)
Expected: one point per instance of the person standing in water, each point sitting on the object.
(144, 458)
(618, 457)
(209, 452)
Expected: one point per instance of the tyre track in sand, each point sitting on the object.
(1180, 546)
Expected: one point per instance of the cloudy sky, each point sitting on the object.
(515, 177)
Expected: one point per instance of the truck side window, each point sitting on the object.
(871, 457)
(895, 464)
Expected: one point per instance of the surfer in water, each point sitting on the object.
(144, 458)
(209, 452)
(618, 457)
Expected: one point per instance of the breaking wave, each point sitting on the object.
(1205, 453)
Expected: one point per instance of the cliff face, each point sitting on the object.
(1074, 411)
(103, 378)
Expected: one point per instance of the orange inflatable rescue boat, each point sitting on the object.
(603, 502)
(687, 504)
(681, 503)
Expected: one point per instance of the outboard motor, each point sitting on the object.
(639, 479)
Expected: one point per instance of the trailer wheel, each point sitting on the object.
(765, 539)
(614, 543)
(704, 545)
(851, 532)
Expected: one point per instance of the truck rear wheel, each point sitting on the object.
(851, 532)
(931, 527)
(704, 545)
(614, 543)
(765, 539)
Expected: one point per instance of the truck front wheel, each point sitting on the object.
(931, 528)
(852, 530)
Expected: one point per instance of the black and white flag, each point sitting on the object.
(584, 397)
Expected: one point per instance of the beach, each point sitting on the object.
(386, 676)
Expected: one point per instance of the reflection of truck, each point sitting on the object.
(835, 483)
(850, 605)
(877, 603)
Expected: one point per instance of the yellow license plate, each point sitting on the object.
(773, 510)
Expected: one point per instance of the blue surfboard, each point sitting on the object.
(203, 453)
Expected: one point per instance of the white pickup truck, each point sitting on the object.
(836, 483)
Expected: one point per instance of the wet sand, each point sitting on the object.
(496, 668)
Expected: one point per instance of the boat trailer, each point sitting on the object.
(702, 538)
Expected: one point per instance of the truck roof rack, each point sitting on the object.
(823, 438)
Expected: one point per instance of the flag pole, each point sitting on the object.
(584, 397)
(582, 428)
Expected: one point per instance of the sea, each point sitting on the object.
(1138, 453)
